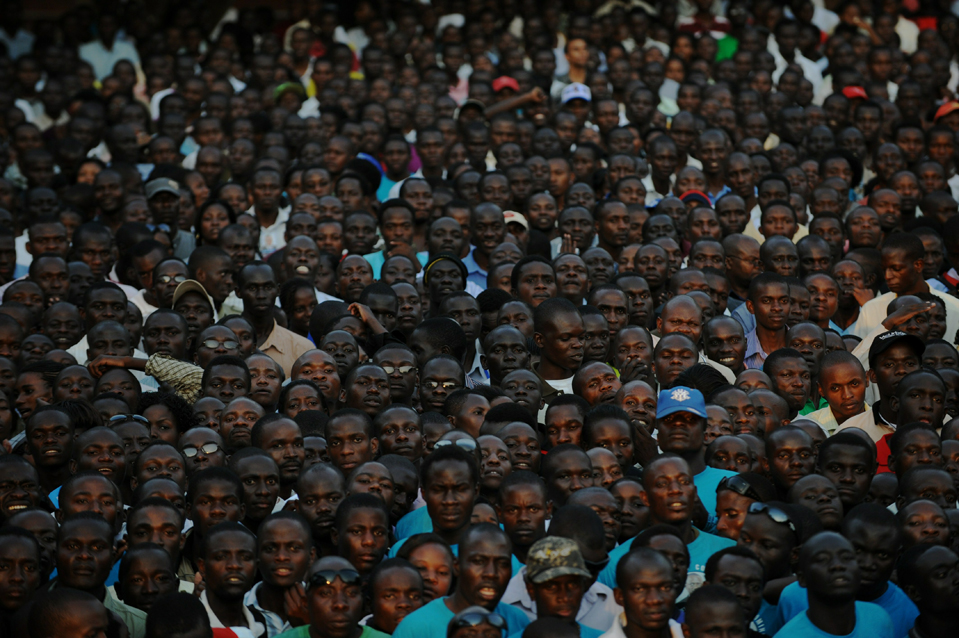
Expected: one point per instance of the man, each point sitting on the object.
(850, 463)
(742, 266)
(828, 569)
(266, 187)
(671, 497)
(892, 355)
(740, 572)
(928, 574)
(523, 509)
(334, 602)
(647, 591)
(842, 383)
(321, 488)
(714, 610)
(558, 331)
(681, 424)
(256, 286)
(483, 573)
(769, 303)
(65, 611)
(903, 258)
(227, 563)
(791, 379)
(566, 469)
(874, 533)
(487, 230)
(213, 268)
(163, 199)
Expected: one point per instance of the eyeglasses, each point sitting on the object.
(774, 513)
(474, 619)
(213, 344)
(327, 576)
(741, 486)
(165, 279)
(206, 448)
(401, 369)
(464, 444)
(123, 418)
(447, 385)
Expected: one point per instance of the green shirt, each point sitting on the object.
(809, 407)
(304, 632)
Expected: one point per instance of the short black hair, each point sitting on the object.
(449, 453)
(847, 438)
(210, 474)
(359, 501)
(712, 563)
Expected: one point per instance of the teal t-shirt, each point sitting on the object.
(416, 522)
(872, 621)
(902, 611)
(432, 619)
(706, 483)
(700, 550)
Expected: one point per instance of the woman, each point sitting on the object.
(298, 299)
(212, 217)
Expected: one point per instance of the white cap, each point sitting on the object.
(576, 91)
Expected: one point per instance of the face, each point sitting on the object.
(236, 421)
(791, 381)
(396, 593)
(364, 538)
(320, 368)
(84, 554)
(149, 576)
(449, 495)
(731, 508)
(216, 501)
(435, 566)
(226, 382)
(772, 542)
(649, 595)
(484, 570)
(229, 567)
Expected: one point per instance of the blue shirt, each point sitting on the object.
(432, 619)
(376, 260)
(706, 483)
(476, 274)
(416, 522)
(902, 611)
(765, 620)
(872, 621)
(700, 550)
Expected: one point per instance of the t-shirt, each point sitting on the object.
(902, 611)
(765, 621)
(700, 550)
(584, 632)
(872, 621)
(432, 619)
(706, 483)
(304, 632)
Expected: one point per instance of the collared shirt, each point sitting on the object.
(755, 355)
(874, 311)
(653, 196)
(185, 378)
(476, 372)
(867, 422)
(827, 420)
(255, 627)
(617, 631)
(476, 274)
(285, 347)
(598, 608)
(715, 198)
(274, 624)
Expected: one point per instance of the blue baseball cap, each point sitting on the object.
(680, 399)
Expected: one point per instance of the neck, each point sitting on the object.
(750, 202)
(481, 259)
(432, 171)
(263, 326)
(401, 175)
(740, 289)
(936, 626)
(551, 371)
(612, 250)
(632, 630)
(229, 612)
(841, 420)
(521, 552)
(52, 478)
(822, 323)
(695, 460)
(715, 182)
(920, 286)
(846, 316)
(771, 339)
(452, 537)
(886, 411)
(266, 217)
(831, 617)
(685, 529)
(457, 602)
(577, 74)
(271, 597)
(662, 184)
(324, 547)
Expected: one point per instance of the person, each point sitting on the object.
(828, 569)
(66, 610)
(927, 574)
(843, 384)
(178, 615)
(227, 563)
(484, 571)
(714, 610)
(396, 591)
(646, 589)
(740, 572)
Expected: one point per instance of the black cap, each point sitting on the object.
(894, 337)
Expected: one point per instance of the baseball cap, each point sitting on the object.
(192, 285)
(852, 92)
(552, 557)
(513, 216)
(679, 399)
(695, 196)
(505, 82)
(162, 185)
(576, 91)
(888, 339)
(946, 109)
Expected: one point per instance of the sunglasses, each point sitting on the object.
(206, 448)
(327, 576)
(476, 618)
(774, 513)
(123, 418)
(464, 444)
(213, 344)
(741, 486)
(402, 369)
(165, 279)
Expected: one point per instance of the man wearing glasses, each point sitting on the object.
(334, 599)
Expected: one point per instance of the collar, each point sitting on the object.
(256, 628)
(753, 346)
(273, 341)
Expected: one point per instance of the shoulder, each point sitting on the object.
(369, 632)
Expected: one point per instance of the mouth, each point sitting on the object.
(235, 580)
(302, 270)
(522, 465)
(726, 361)
(17, 507)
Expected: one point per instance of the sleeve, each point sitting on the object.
(185, 378)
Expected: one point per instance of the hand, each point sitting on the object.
(295, 604)
(645, 447)
(198, 584)
(364, 314)
(862, 294)
(537, 95)
(904, 314)
(104, 362)
(568, 246)
(634, 370)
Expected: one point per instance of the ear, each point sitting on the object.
(201, 567)
(765, 463)
(659, 322)
(618, 596)
(72, 463)
(119, 549)
(445, 349)
(749, 307)
(374, 446)
(452, 420)
(893, 405)
(539, 340)
(529, 589)
(686, 632)
(644, 497)
(483, 362)
(913, 592)
(133, 485)
(242, 510)
(334, 536)
(870, 375)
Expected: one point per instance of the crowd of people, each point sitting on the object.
(493, 319)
